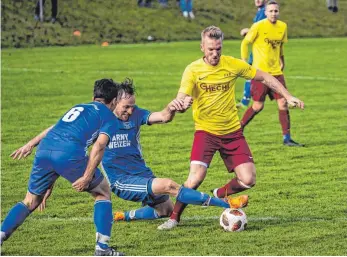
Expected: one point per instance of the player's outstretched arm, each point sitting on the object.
(27, 149)
(95, 157)
(167, 115)
(275, 85)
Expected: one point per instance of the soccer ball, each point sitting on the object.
(233, 220)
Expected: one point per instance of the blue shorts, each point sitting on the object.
(137, 188)
(49, 165)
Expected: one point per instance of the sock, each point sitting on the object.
(13, 220)
(284, 118)
(145, 213)
(103, 222)
(246, 93)
(248, 116)
(191, 196)
(177, 211)
(232, 187)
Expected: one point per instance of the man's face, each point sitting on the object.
(259, 3)
(125, 107)
(272, 12)
(212, 49)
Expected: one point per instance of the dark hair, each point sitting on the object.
(125, 89)
(107, 89)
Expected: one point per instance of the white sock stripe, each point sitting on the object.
(199, 163)
(102, 201)
(243, 184)
(100, 238)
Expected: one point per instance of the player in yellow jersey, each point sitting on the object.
(211, 80)
(267, 38)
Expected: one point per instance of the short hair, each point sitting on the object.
(212, 32)
(107, 89)
(270, 2)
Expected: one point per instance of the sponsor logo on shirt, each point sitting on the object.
(215, 87)
(119, 141)
(273, 43)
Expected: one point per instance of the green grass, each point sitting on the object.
(122, 21)
(298, 206)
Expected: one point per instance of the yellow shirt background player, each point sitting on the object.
(213, 91)
(267, 41)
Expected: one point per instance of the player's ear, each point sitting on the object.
(202, 47)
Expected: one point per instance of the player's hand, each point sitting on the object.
(244, 32)
(42, 206)
(81, 184)
(176, 105)
(22, 152)
(187, 102)
(295, 102)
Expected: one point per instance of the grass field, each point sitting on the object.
(298, 207)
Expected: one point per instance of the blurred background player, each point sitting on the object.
(267, 38)
(54, 10)
(332, 5)
(216, 120)
(260, 15)
(63, 152)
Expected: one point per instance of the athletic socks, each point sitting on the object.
(284, 118)
(103, 222)
(232, 187)
(248, 116)
(246, 93)
(191, 196)
(13, 220)
(144, 213)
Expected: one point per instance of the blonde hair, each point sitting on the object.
(212, 32)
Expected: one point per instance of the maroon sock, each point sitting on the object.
(248, 116)
(285, 121)
(177, 211)
(232, 187)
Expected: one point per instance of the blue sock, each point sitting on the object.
(191, 196)
(286, 137)
(246, 93)
(14, 219)
(103, 221)
(144, 213)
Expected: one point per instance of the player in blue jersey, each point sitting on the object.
(62, 152)
(129, 176)
(260, 15)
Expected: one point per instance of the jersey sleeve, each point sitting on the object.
(245, 70)
(252, 33)
(187, 82)
(142, 115)
(285, 36)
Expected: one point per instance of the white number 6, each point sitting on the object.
(72, 114)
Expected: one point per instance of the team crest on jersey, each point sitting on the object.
(128, 124)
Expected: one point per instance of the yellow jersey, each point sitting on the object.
(213, 92)
(267, 39)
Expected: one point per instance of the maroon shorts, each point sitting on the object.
(259, 90)
(232, 147)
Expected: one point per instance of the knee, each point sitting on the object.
(282, 104)
(248, 181)
(258, 106)
(32, 201)
(170, 186)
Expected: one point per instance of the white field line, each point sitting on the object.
(152, 73)
(193, 218)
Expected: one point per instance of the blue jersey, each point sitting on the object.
(79, 128)
(260, 15)
(123, 155)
